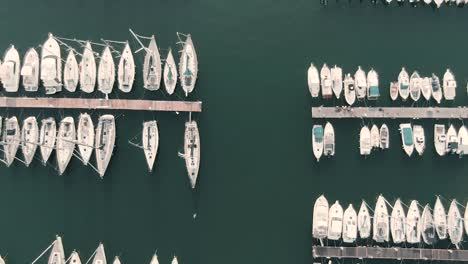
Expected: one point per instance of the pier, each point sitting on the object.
(390, 112)
(390, 253)
(103, 104)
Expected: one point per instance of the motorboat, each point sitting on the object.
(349, 225)
(407, 138)
(415, 86)
(384, 137)
(320, 218)
(436, 90)
(419, 139)
(451, 145)
(360, 84)
(329, 140)
(10, 70)
(326, 81)
(426, 88)
(403, 84)
(349, 89)
(337, 80)
(317, 141)
(373, 92)
(313, 80)
(375, 136)
(449, 85)
(393, 91)
(335, 221)
(365, 146)
(440, 139)
(30, 71)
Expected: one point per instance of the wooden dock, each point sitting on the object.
(103, 104)
(390, 112)
(397, 253)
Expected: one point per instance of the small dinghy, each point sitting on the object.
(11, 140)
(126, 71)
(150, 142)
(75, 258)
(428, 231)
(154, 259)
(419, 139)
(170, 73)
(317, 141)
(337, 81)
(381, 223)
(51, 66)
(440, 219)
(365, 141)
(325, 77)
(106, 72)
(105, 140)
(451, 145)
(152, 67)
(397, 223)
(349, 91)
(436, 90)
(438, 2)
(30, 71)
(349, 225)
(29, 139)
(188, 66)
(360, 83)
(85, 137)
(10, 71)
(455, 223)
(57, 254)
(192, 151)
(71, 72)
(426, 88)
(100, 255)
(440, 139)
(364, 221)
(393, 91)
(407, 138)
(373, 91)
(47, 137)
(313, 81)
(320, 218)
(88, 69)
(384, 137)
(462, 141)
(335, 221)
(415, 86)
(449, 85)
(375, 136)
(66, 138)
(413, 231)
(329, 140)
(403, 84)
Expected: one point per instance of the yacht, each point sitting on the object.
(66, 138)
(192, 151)
(451, 145)
(360, 84)
(381, 229)
(329, 140)
(188, 66)
(105, 140)
(440, 139)
(440, 219)
(462, 141)
(364, 221)
(29, 139)
(320, 218)
(150, 142)
(126, 70)
(47, 137)
(428, 230)
(10, 71)
(337, 80)
(373, 92)
(384, 137)
(88, 69)
(403, 84)
(71, 72)
(317, 141)
(436, 90)
(349, 225)
(325, 77)
(85, 137)
(365, 146)
(413, 231)
(30, 71)
(407, 138)
(335, 221)
(397, 223)
(106, 72)
(11, 140)
(313, 80)
(419, 139)
(349, 89)
(415, 86)
(449, 85)
(170, 73)
(51, 66)
(152, 67)
(454, 223)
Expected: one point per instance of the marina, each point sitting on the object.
(389, 112)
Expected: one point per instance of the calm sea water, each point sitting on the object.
(258, 178)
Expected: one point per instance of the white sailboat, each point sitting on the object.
(188, 66)
(440, 219)
(349, 89)
(10, 70)
(320, 218)
(413, 231)
(192, 151)
(88, 69)
(170, 73)
(449, 85)
(85, 137)
(29, 139)
(428, 229)
(57, 254)
(407, 138)
(462, 141)
(75, 258)
(415, 86)
(51, 66)
(335, 221)
(375, 136)
(455, 223)
(126, 71)
(465, 219)
(436, 90)
(11, 140)
(419, 139)
(154, 259)
(100, 255)
(360, 84)
(152, 67)
(105, 140)
(440, 139)
(106, 72)
(65, 143)
(313, 81)
(397, 223)
(393, 91)
(71, 72)
(373, 92)
(403, 84)
(47, 137)
(317, 141)
(438, 2)
(337, 81)
(150, 142)
(451, 145)
(116, 260)
(381, 230)
(30, 71)
(364, 221)
(365, 146)
(326, 81)
(329, 140)
(426, 88)
(384, 137)
(174, 260)
(349, 225)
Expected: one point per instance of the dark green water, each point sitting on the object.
(258, 178)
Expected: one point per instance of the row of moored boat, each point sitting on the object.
(331, 222)
(436, 3)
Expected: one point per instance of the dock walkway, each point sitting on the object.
(390, 112)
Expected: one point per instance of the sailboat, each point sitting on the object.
(438, 2)
(75, 258)
(10, 71)
(349, 225)
(364, 221)
(440, 219)
(106, 72)
(397, 223)
(451, 145)
(428, 230)
(152, 67)
(174, 260)
(360, 84)
(29, 139)
(465, 219)
(407, 138)
(126, 71)
(373, 92)
(51, 66)
(11, 140)
(57, 254)
(349, 89)
(116, 260)
(192, 151)
(100, 255)
(105, 140)
(375, 136)
(426, 88)
(337, 80)
(384, 137)
(415, 86)
(85, 137)
(462, 141)
(47, 137)
(335, 221)
(30, 71)
(381, 222)
(154, 259)
(320, 218)
(317, 141)
(413, 231)
(88, 69)
(325, 77)
(313, 81)
(188, 66)
(449, 85)
(455, 223)
(393, 90)
(365, 146)
(440, 139)
(419, 139)
(65, 143)
(71, 72)
(329, 140)
(170, 73)
(436, 90)
(150, 142)
(403, 84)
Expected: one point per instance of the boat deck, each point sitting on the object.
(390, 112)
(94, 103)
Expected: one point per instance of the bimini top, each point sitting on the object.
(318, 133)
(407, 136)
